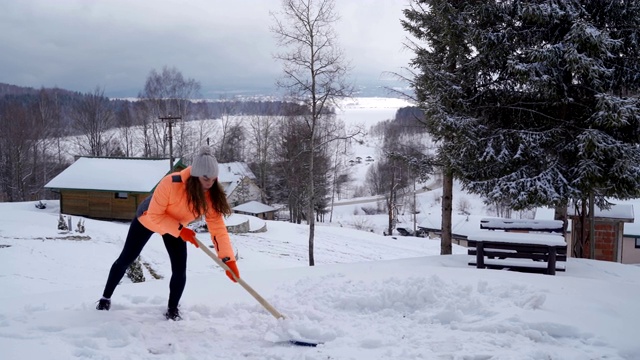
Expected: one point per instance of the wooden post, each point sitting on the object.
(551, 261)
(480, 255)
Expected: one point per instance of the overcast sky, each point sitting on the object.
(225, 45)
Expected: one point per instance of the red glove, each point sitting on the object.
(232, 265)
(189, 235)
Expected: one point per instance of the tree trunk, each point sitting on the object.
(580, 240)
(310, 217)
(592, 227)
(447, 206)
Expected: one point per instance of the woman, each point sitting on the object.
(178, 199)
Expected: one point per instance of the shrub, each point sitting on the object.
(360, 223)
(369, 210)
(464, 206)
(62, 224)
(135, 273)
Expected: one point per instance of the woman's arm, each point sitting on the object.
(219, 235)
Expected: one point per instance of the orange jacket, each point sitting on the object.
(168, 209)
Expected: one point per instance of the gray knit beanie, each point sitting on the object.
(205, 164)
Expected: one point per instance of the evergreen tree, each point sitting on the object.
(535, 103)
(441, 26)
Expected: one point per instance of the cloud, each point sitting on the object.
(226, 45)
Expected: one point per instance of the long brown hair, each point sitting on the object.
(197, 201)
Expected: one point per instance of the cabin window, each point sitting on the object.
(122, 195)
(637, 243)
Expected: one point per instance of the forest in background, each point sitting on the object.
(269, 135)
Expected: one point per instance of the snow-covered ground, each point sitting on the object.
(368, 297)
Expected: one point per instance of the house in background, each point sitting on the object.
(108, 188)
(257, 209)
(239, 183)
(617, 232)
(609, 232)
(111, 188)
(630, 252)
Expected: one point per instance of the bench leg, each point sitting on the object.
(480, 255)
(551, 264)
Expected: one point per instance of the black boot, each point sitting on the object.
(173, 314)
(104, 304)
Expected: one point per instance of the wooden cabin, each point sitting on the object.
(257, 209)
(108, 188)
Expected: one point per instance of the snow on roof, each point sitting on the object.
(617, 211)
(111, 174)
(231, 174)
(254, 222)
(254, 207)
(234, 170)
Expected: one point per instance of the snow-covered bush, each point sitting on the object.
(135, 273)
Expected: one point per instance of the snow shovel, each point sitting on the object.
(253, 293)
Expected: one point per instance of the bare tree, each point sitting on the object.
(314, 69)
(388, 177)
(167, 93)
(205, 131)
(45, 117)
(125, 121)
(291, 152)
(92, 117)
(339, 172)
(207, 127)
(17, 177)
(230, 131)
(57, 124)
(262, 131)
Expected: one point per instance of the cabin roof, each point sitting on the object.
(111, 174)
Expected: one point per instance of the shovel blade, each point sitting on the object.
(303, 343)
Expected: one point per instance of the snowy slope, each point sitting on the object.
(369, 297)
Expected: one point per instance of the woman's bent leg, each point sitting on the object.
(177, 250)
(136, 240)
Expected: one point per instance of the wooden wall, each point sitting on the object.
(99, 204)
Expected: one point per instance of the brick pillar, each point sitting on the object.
(605, 239)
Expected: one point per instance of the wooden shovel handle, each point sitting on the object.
(246, 286)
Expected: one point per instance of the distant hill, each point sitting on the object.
(8, 89)
(28, 96)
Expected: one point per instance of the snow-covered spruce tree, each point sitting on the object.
(535, 103)
(62, 223)
(442, 51)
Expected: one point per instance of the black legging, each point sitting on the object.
(136, 240)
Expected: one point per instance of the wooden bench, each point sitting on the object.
(517, 250)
